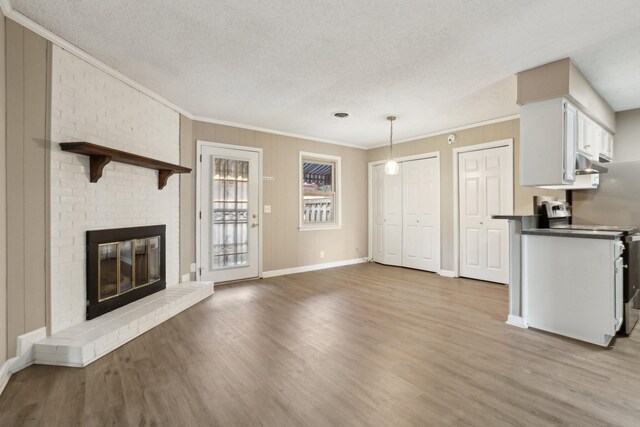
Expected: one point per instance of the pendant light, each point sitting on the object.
(391, 167)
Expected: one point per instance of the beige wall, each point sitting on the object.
(27, 181)
(3, 196)
(284, 246)
(493, 132)
(563, 78)
(626, 142)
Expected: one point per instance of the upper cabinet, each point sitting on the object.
(552, 134)
(548, 136)
(594, 141)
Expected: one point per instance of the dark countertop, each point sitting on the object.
(583, 234)
(513, 216)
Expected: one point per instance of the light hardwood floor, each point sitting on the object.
(359, 345)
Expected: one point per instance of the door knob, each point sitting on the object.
(254, 225)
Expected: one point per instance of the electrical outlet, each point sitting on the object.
(267, 209)
(321, 254)
(193, 267)
(269, 178)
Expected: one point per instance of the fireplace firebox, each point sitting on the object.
(124, 265)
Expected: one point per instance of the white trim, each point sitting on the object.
(25, 355)
(446, 273)
(421, 156)
(517, 321)
(459, 128)
(199, 145)
(338, 190)
(312, 267)
(456, 208)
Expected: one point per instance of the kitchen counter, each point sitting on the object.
(583, 234)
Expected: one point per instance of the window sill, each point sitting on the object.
(319, 228)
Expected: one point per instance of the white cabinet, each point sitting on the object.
(588, 137)
(552, 133)
(573, 286)
(605, 145)
(548, 137)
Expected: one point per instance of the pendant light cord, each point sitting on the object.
(391, 141)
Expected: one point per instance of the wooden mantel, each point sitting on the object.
(101, 156)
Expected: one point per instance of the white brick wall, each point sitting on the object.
(89, 105)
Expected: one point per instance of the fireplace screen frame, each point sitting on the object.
(96, 305)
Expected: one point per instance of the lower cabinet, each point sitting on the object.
(406, 215)
(573, 286)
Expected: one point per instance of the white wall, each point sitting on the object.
(627, 139)
(90, 105)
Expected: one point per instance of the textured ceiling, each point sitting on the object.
(288, 65)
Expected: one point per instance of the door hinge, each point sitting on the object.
(200, 158)
(200, 215)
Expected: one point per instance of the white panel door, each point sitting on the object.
(387, 217)
(485, 189)
(377, 205)
(229, 203)
(392, 220)
(421, 214)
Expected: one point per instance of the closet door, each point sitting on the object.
(485, 189)
(421, 214)
(387, 217)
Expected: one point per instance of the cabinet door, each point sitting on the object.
(618, 300)
(570, 141)
(587, 145)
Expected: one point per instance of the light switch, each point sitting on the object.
(267, 208)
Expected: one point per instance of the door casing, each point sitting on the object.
(456, 193)
(201, 144)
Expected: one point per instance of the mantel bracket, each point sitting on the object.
(97, 164)
(163, 177)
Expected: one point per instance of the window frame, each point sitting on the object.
(337, 178)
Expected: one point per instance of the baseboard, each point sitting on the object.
(314, 267)
(447, 273)
(25, 355)
(516, 321)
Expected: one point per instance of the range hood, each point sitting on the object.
(585, 166)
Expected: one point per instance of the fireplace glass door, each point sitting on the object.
(230, 209)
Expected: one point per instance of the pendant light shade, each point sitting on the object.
(391, 167)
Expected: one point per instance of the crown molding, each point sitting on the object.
(456, 129)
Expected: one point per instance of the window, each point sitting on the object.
(319, 191)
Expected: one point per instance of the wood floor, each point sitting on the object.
(360, 345)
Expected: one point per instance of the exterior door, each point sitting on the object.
(421, 214)
(387, 217)
(485, 189)
(229, 208)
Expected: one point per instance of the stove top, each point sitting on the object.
(622, 229)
